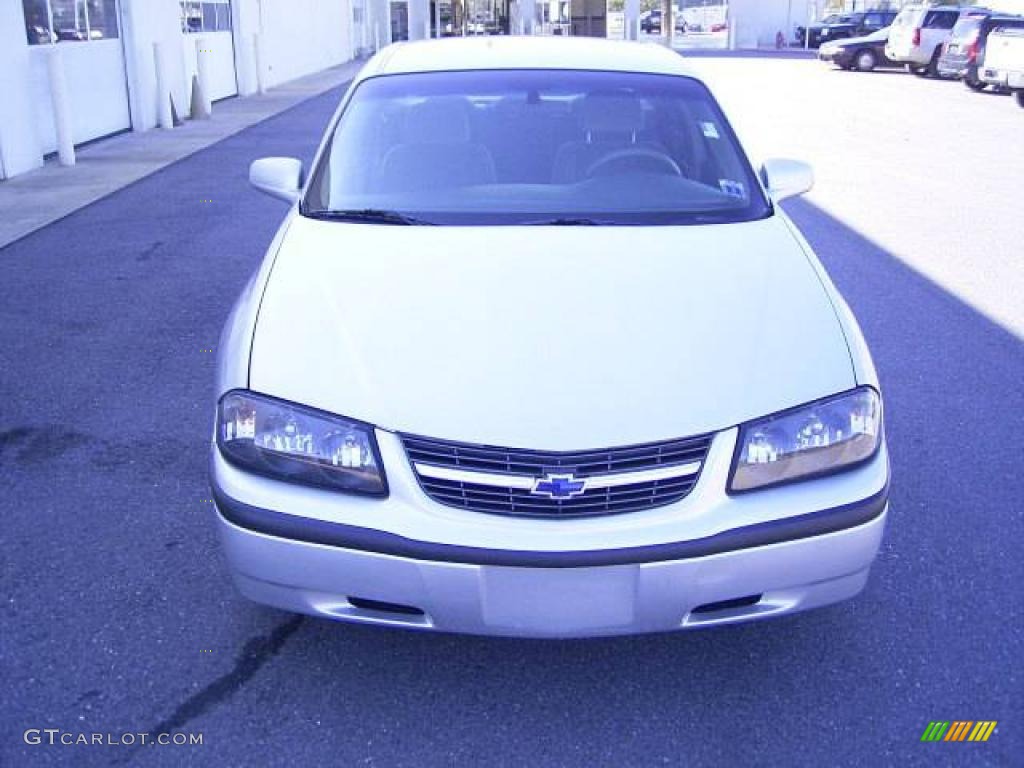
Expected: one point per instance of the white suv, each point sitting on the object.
(918, 34)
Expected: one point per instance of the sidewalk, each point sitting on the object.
(31, 201)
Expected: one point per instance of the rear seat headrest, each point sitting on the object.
(612, 113)
(444, 120)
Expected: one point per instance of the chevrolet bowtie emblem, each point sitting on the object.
(558, 486)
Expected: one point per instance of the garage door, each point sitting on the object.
(206, 31)
(87, 36)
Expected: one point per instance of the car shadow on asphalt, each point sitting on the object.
(953, 395)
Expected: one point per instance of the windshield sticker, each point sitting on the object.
(710, 130)
(732, 188)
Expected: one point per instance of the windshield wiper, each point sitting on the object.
(370, 216)
(567, 222)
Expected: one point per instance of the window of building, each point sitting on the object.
(208, 16)
(102, 18)
(69, 21)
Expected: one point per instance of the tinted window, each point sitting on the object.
(510, 147)
(1006, 24)
(72, 20)
(967, 28)
(941, 19)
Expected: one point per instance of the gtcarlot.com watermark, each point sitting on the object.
(58, 737)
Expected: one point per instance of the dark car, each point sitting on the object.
(840, 26)
(861, 53)
(652, 22)
(965, 51)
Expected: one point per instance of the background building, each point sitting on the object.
(107, 52)
(119, 62)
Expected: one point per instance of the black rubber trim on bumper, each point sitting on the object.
(368, 540)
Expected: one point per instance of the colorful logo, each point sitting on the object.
(959, 730)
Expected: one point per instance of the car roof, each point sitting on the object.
(522, 52)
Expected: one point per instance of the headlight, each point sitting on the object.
(297, 444)
(815, 439)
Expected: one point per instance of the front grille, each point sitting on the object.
(517, 464)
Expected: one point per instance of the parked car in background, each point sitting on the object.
(965, 51)
(840, 26)
(860, 53)
(918, 35)
(1004, 60)
(650, 22)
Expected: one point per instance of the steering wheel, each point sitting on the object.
(666, 163)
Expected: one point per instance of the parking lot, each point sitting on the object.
(118, 611)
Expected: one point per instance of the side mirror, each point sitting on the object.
(279, 177)
(786, 178)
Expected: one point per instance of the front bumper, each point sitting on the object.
(993, 76)
(729, 559)
(837, 56)
(915, 57)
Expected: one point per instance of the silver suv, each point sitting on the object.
(918, 34)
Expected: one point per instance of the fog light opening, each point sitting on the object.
(381, 607)
(727, 605)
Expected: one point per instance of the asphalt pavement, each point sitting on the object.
(117, 610)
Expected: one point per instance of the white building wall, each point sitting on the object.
(19, 146)
(755, 23)
(142, 25)
(298, 37)
(96, 87)
(419, 19)
(379, 20)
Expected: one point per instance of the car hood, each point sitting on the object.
(553, 338)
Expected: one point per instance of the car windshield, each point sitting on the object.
(534, 147)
